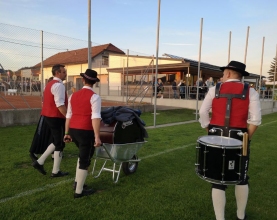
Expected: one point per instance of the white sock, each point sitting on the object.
(81, 176)
(58, 155)
(77, 167)
(241, 193)
(219, 201)
(46, 153)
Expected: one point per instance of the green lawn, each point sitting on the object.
(168, 116)
(165, 185)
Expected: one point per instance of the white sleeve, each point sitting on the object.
(58, 90)
(95, 102)
(254, 115)
(69, 109)
(206, 107)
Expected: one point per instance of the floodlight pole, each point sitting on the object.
(246, 45)
(41, 67)
(198, 75)
(229, 49)
(157, 59)
(89, 34)
(261, 69)
(127, 84)
(274, 78)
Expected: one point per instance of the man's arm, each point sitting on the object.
(62, 109)
(205, 108)
(251, 130)
(96, 129)
(96, 118)
(255, 117)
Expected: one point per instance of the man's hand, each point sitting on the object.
(67, 138)
(97, 142)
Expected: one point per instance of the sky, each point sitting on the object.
(132, 24)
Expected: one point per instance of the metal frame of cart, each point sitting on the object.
(122, 155)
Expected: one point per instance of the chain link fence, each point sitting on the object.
(23, 48)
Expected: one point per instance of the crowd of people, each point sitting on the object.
(181, 91)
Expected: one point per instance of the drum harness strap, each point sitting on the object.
(229, 100)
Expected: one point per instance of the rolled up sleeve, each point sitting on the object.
(206, 107)
(95, 102)
(254, 115)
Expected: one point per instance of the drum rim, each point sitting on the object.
(212, 144)
(210, 180)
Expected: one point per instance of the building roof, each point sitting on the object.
(194, 63)
(79, 55)
(207, 66)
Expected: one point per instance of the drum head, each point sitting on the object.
(219, 141)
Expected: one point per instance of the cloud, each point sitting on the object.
(177, 44)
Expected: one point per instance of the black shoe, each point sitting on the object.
(59, 174)
(75, 184)
(245, 218)
(85, 192)
(39, 167)
(33, 157)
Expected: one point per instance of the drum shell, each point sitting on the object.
(121, 132)
(219, 164)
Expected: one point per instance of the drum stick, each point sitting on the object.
(245, 144)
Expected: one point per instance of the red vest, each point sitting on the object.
(81, 109)
(49, 108)
(239, 107)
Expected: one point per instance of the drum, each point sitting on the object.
(218, 159)
(121, 132)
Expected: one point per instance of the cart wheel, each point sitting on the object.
(130, 167)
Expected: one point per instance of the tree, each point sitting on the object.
(272, 70)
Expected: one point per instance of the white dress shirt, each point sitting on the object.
(95, 102)
(254, 110)
(58, 90)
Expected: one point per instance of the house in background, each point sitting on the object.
(76, 62)
(118, 71)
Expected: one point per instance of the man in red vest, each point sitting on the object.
(234, 106)
(54, 112)
(83, 128)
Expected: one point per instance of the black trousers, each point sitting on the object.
(84, 140)
(245, 159)
(57, 127)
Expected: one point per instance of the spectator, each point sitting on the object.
(182, 89)
(160, 88)
(210, 82)
(174, 88)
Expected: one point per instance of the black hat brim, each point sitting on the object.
(242, 72)
(93, 80)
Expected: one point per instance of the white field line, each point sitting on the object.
(169, 150)
(49, 186)
(267, 123)
(30, 192)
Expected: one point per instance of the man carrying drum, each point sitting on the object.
(235, 106)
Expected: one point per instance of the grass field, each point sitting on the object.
(165, 185)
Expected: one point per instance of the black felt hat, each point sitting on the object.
(90, 75)
(237, 66)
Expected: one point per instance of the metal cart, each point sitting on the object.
(122, 155)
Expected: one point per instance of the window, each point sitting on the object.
(105, 60)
